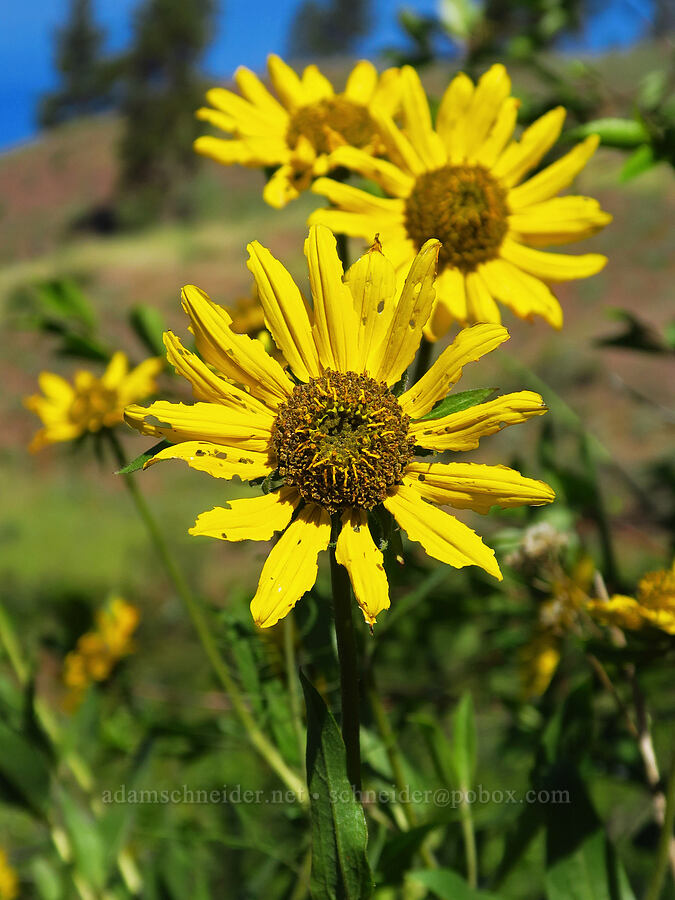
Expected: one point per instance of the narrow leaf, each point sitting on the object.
(457, 402)
(637, 163)
(141, 460)
(448, 885)
(463, 748)
(149, 325)
(339, 835)
(613, 132)
(24, 768)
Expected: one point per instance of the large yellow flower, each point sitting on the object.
(89, 404)
(296, 133)
(460, 182)
(654, 605)
(329, 436)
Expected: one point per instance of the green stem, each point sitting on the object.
(349, 679)
(269, 753)
(423, 360)
(469, 835)
(292, 682)
(663, 852)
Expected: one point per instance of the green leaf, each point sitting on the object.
(149, 325)
(86, 842)
(141, 460)
(448, 885)
(463, 747)
(637, 163)
(339, 836)
(636, 334)
(24, 769)
(613, 132)
(590, 872)
(63, 298)
(457, 402)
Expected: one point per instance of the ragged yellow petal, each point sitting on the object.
(249, 519)
(236, 356)
(412, 311)
(286, 313)
(201, 422)
(443, 536)
(463, 430)
(552, 266)
(356, 551)
(218, 460)
(553, 178)
(558, 221)
(475, 486)
(469, 345)
(372, 282)
(417, 116)
(291, 567)
(522, 155)
(361, 82)
(335, 323)
(206, 385)
(525, 295)
(392, 179)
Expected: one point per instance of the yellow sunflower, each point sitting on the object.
(296, 133)
(329, 436)
(462, 182)
(653, 606)
(89, 404)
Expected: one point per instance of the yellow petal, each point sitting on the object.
(443, 536)
(355, 200)
(206, 385)
(523, 155)
(317, 86)
(553, 178)
(475, 486)
(286, 83)
(237, 356)
(201, 421)
(387, 94)
(402, 339)
(400, 149)
(372, 282)
(335, 323)
(116, 370)
(504, 125)
(558, 221)
(291, 567)
(283, 186)
(141, 381)
(286, 313)
(480, 306)
(450, 304)
(392, 179)
(217, 460)
(419, 128)
(469, 345)
(450, 121)
(361, 83)
(356, 551)
(255, 91)
(246, 118)
(217, 118)
(463, 430)
(228, 153)
(552, 266)
(249, 519)
(492, 89)
(525, 295)
(55, 387)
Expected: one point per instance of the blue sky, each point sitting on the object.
(245, 33)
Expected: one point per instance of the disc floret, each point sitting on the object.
(465, 208)
(342, 440)
(337, 115)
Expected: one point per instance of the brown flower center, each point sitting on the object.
(465, 208)
(317, 120)
(342, 440)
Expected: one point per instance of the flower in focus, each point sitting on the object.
(99, 650)
(9, 881)
(329, 436)
(653, 606)
(89, 404)
(462, 183)
(296, 131)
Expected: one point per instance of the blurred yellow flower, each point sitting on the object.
(9, 881)
(653, 606)
(99, 650)
(296, 133)
(334, 442)
(462, 183)
(89, 404)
